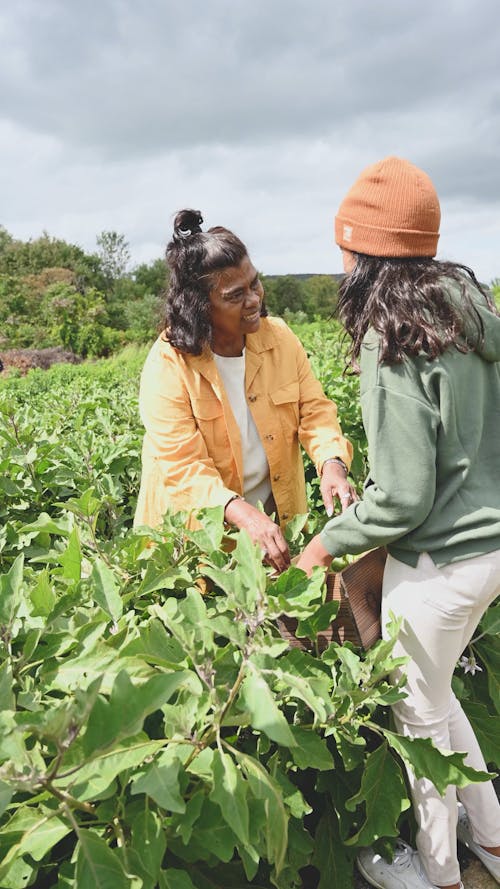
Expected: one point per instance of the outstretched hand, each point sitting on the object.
(262, 530)
(334, 483)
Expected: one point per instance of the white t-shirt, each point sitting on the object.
(256, 479)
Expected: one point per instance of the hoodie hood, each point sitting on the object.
(489, 347)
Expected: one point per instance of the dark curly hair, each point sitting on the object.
(192, 257)
(408, 302)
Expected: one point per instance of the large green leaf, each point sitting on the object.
(173, 878)
(6, 794)
(257, 698)
(94, 777)
(105, 590)
(489, 652)
(265, 788)
(7, 698)
(331, 857)
(42, 595)
(486, 728)
(490, 623)
(161, 783)
(148, 839)
(11, 591)
(30, 831)
(426, 760)
(123, 715)
(311, 751)
(71, 558)
(383, 796)
(99, 867)
(230, 793)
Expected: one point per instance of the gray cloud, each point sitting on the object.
(114, 114)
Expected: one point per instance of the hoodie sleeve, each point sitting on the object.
(401, 426)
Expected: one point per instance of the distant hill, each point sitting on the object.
(304, 276)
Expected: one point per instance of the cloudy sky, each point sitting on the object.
(260, 113)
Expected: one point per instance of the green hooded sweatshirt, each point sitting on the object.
(433, 430)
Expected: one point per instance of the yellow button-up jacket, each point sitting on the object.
(192, 449)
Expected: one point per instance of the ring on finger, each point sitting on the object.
(345, 497)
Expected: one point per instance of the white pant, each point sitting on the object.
(441, 608)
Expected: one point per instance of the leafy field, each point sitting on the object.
(155, 731)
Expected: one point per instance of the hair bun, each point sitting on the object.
(187, 223)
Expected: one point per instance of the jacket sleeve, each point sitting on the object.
(175, 455)
(319, 429)
(402, 436)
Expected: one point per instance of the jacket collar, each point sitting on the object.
(260, 341)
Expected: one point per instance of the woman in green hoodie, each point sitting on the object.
(426, 339)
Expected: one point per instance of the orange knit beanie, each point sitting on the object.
(391, 210)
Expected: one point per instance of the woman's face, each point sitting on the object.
(235, 302)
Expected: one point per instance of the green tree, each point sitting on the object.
(114, 254)
(321, 292)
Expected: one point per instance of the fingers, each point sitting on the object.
(347, 497)
(275, 550)
(345, 493)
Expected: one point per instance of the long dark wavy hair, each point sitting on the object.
(407, 301)
(192, 257)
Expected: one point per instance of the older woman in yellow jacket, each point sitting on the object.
(226, 396)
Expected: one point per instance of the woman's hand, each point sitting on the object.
(262, 530)
(334, 484)
(314, 554)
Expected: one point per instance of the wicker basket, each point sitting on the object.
(358, 588)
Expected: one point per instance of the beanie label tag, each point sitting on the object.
(347, 232)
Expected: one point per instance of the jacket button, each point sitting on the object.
(285, 515)
(252, 398)
(276, 478)
(269, 437)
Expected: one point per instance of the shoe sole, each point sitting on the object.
(368, 879)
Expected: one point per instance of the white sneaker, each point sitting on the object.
(464, 834)
(404, 872)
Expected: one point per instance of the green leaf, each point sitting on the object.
(6, 794)
(230, 793)
(309, 627)
(7, 698)
(161, 783)
(257, 698)
(94, 777)
(172, 878)
(311, 751)
(486, 728)
(98, 866)
(31, 832)
(42, 595)
(490, 622)
(123, 715)
(209, 537)
(148, 839)
(264, 787)
(331, 857)
(48, 525)
(489, 653)
(297, 594)
(383, 794)
(427, 761)
(11, 591)
(163, 580)
(71, 559)
(212, 835)
(105, 590)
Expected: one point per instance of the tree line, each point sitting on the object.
(53, 293)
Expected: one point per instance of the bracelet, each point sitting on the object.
(234, 497)
(335, 460)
